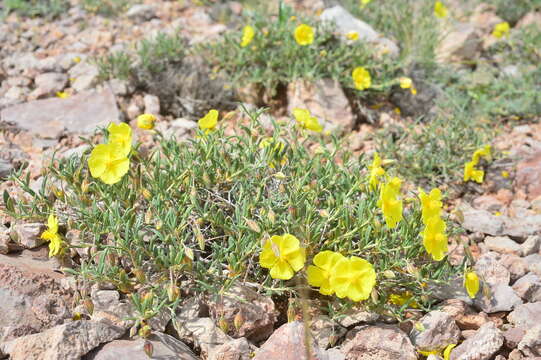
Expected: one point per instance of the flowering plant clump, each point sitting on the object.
(204, 213)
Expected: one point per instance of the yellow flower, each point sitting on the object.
(283, 256)
(471, 173)
(306, 120)
(482, 152)
(401, 299)
(446, 352)
(440, 10)
(376, 171)
(405, 82)
(431, 204)
(471, 283)
(352, 35)
(361, 78)
(389, 202)
(51, 235)
(108, 162)
(208, 122)
(363, 3)
(505, 174)
(320, 274)
(434, 238)
(304, 34)
(248, 34)
(353, 277)
(501, 30)
(77, 59)
(146, 121)
(120, 134)
(62, 94)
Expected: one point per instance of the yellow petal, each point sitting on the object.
(316, 276)
(281, 270)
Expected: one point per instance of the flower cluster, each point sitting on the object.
(434, 238)
(208, 122)
(501, 30)
(306, 120)
(440, 10)
(109, 162)
(390, 202)
(470, 171)
(283, 256)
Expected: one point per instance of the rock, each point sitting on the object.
(453, 289)
(522, 227)
(461, 43)
(379, 342)
(32, 296)
(49, 83)
(528, 287)
(531, 245)
(325, 100)
(534, 263)
(531, 18)
(20, 63)
(68, 341)
(528, 173)
(85, 76)
(481, 221)
(420, 103)
(439, 331)
(179, 128)
(526, 315)
(256, 311)
(49, 118)
(5, 169)
(513, 337)
(6, 245)
(120, 87)
(204, 334)
(490, 268)
(326, 331)
(357, 317)
(472, 321)
(28, 234)
(517, 266)
(14, 95)
(482, 346)
(109, 307)
(530, 345)
(488, 203)
(454, 307)
(152, 104)
(502, 298)
(141, 12)
(288, 342)
(164, 347)
(345, 23)
(503, 245)
(238, 349)
(189, 312)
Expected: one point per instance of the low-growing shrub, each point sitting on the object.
(200, 213)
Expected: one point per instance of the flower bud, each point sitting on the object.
(173, 292)
(148, 348)
(238, 321)
(145, 331)
(223, 325)
(146, 121)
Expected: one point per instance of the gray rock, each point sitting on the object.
(288, 342)
(522, 227)
(28, 235)
(516, 265)
(357, 317)
(14, 95)
(326, 331)
(20, 63)
(419, 104)
(481, 221)
(68, 341)
(482, 346)
(530, 345)
(48, 84)
(120, 87)
(49, 118)
(85, 76)
(461, 43)
(152, 104)
(502, 298)
(534, 263)
(5, 240)
(164, 347)
(531, 245)
(526, 315)
(190, 311)
(503, 245)
(48, 64)
(205, 335)
(528, 287)
(5, 169)
(491, 269)
(345, 23)
(439, 331)
(380, 342)
(141, 12)
(238, 349)
(257, 311)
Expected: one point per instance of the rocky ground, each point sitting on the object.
(42, 318)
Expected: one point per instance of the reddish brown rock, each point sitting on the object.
(380, 342)
(528, 175)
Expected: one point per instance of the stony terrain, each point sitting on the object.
(42, 317)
